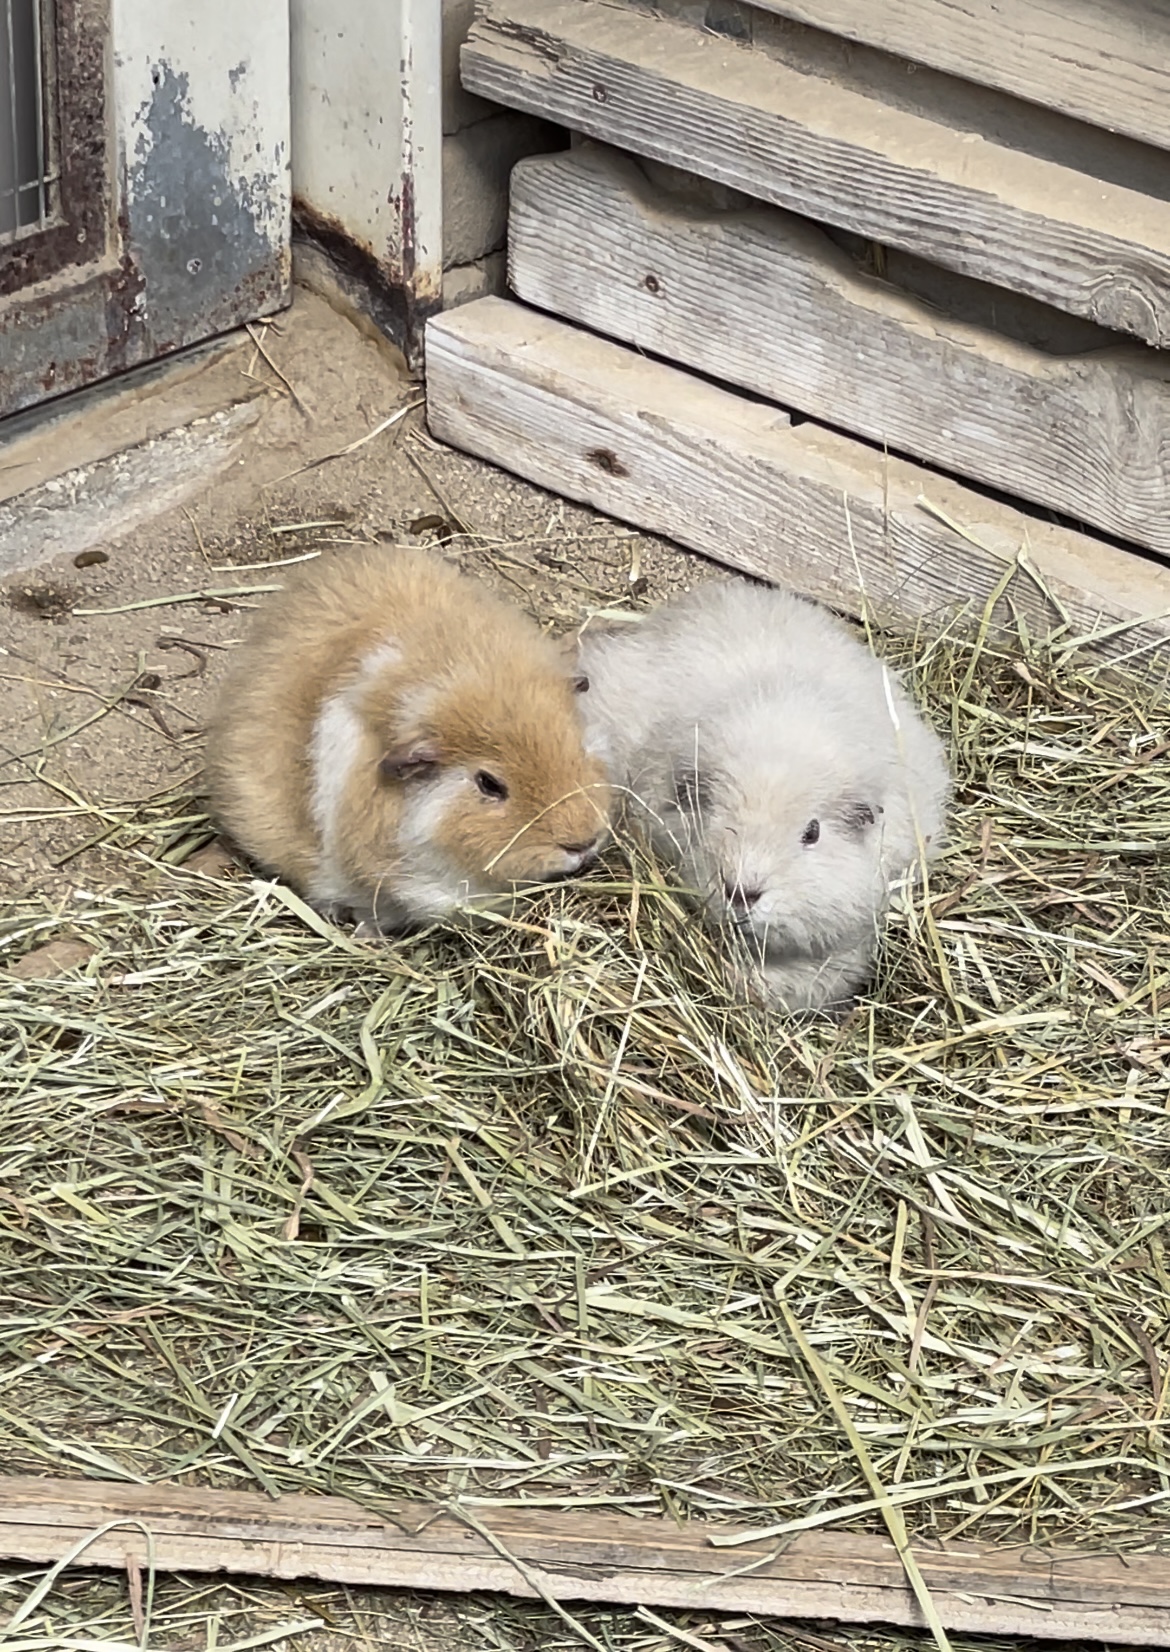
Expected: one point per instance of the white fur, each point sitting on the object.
(786, 718)
(386, 653)
(333, 751)
(426, 884)
(573, 863)
(337, 738)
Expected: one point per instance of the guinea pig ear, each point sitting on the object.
(856, 816)
(407, 762)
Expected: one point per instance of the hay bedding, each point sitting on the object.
(538, 1214)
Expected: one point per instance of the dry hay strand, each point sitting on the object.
(538, 1213)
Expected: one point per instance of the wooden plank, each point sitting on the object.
(699, 101)
(736, 480)
(1106, 64)
(1058, 1595)
(792, 319)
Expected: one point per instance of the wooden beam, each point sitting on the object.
(699, 101)
(1108, 64)
(762, 299)
(1057, 1595)
(736, 480)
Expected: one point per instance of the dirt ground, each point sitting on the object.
(110, 657)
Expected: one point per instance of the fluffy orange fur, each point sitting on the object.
(432, 666)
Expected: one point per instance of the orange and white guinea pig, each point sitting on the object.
(395, 741)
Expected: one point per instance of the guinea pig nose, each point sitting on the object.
(741, 899)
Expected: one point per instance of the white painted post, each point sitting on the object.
(367, 149)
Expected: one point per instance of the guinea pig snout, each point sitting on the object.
(579, 855)
(741, 894)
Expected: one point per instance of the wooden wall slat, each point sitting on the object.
(1105, 63)
(766, 301)
(698, 101)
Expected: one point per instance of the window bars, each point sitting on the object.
(27, 174)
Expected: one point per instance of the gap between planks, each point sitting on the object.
(692, 99)
(801, 506)
(1056, 1595)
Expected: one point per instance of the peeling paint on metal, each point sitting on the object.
(190, 223)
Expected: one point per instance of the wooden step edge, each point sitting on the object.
(1106, 65)
(583, 1556)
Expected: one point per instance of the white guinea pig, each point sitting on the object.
(395, 741)
(780, 766)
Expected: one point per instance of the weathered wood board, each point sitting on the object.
(765, 300)
(696, 100)
(572, 1557)
(1106, 64)
(737, 481)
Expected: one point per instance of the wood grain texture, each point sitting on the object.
(1107, 64)
(702, 102)
(792, 319)
(735, 480)
(1058, 1595)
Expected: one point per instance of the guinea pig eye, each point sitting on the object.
(811, 833)
(490, 786)
(580, 683)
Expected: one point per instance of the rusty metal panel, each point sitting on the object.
(367, 146)
(172, 138)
